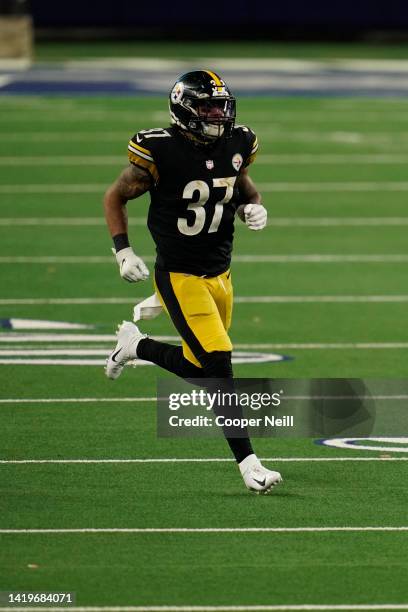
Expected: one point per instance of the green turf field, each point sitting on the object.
(325, 283)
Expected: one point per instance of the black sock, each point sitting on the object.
(169, 357)
(240, 447)
(237, 437)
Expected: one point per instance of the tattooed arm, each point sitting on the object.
(132, 183)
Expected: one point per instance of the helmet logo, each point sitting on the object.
(237, 161)
(177, 92)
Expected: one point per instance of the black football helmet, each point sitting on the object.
(201, 103)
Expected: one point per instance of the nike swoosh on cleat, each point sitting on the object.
(260, 482)
(117, 353)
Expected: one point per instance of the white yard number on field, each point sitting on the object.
(198, 207)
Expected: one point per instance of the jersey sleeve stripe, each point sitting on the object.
(254, 145)
(146, 165)
(139, 148)
(140, 154)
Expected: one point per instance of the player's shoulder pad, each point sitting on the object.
(250, 140)
(144, 147)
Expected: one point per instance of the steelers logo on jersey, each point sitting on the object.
(237, 161)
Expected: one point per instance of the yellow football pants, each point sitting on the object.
(200, 308)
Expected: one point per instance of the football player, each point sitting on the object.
(196, 171)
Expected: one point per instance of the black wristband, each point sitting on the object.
(121, 241)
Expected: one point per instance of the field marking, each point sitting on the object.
(74, 400)
(198, 460)
(335, 221)
(287, 187)
(260, 299)
(64, 160)
(52, 337)
(273, 221)
(283, 259)
(212, 608)
(267, 159)
(46, 352)
(10, 337)
(356, 186)
(268, 135)
(330, 158)
(83, 357)
(353, 444)
(326, 299)
(68, 221)
(326, 345)
(206, 530)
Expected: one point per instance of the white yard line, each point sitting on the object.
(354, 186)
(11, 337)
(65, 362)
(273, 221)
(69, 301)
(325, 345)
(63, 337)
(214, 608)
(332, 187)
(91, 400)
(41, 352)
(311, 299)
(64, 160)
(197, 460)
(54, 188)
(334, 221)
(283, 259)
(74, 400)
(207, 530)
(65, 221)
(260, 299)
(274, 133)
(331, 158)
(272, 159)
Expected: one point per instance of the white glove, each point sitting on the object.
(256, 216)
(132, 268)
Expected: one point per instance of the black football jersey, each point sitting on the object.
(194, 196)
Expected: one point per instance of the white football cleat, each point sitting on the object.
(256, 477)
(129, 337)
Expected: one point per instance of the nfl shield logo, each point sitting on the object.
(210, 164)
